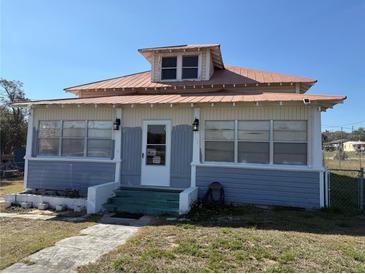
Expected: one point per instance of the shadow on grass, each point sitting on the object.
(325, 221)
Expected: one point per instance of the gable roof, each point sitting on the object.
(231, 76)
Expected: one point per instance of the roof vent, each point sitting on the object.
(306, 101)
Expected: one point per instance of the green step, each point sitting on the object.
(145, 200)
(144, 210)
(128, 193)
(165, 204)
(152, 189)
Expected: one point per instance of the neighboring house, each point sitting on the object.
(354, 146)
(189, 121)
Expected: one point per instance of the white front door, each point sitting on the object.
(156, 147)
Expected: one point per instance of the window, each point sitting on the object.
(290, 142)
(254, 142)
(75, 138)
(99, 142)
(49, 138)
(190, 67)
(168, 68)
(219, 141)
(156, 145)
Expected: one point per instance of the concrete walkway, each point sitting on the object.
(70, 253)
(26, 216)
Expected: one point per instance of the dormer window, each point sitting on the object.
(190, 67)
(169, 68)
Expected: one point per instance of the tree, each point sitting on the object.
(13, 123)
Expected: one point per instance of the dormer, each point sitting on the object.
(184, 62)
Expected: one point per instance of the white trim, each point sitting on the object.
(187, 198)
(149, 172)
(117, 136)
(29, 146)
(321, 189)
(196, 148)
(297, 88)
(98, 195)
(71, 159)
(260, 166)
(207, 66)
(316, 139)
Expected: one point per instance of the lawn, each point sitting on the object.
(11, 185)
(244, 239)
(21, 237)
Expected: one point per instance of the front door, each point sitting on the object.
(156, 143)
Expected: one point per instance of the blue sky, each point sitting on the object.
(50, 45)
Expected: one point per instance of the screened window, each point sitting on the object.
(75, 138)
(99, 142)
(219, 141)
(190, 67)
(290, 142)
(261, 142)
(254, 142)
(168, 68)
(49, 138)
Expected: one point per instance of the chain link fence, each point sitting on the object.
(345, 189)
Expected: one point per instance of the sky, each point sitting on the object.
(50, 45)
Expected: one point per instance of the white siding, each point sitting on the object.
(133, 117)
(72, 113)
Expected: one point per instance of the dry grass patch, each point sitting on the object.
(11, 186)
(244, 239)
(21, 237)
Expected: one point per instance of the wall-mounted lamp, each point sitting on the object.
(116, 124)
(196, 125)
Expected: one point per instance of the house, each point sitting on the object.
(153, 141)
(354, 146)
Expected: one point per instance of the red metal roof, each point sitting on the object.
(195, 98)
(229, 76)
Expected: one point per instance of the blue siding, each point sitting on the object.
(61, 175)
(266, 187)
(181, 155)
(131, 156)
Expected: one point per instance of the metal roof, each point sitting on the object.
(231, 76)
(323, 100)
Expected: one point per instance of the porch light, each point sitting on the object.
(116, 124)
(196, 125)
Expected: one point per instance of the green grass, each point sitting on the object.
(20, 238)
(244, 239)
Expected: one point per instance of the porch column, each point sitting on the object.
(316, 139)
(317, 151)
(117, 136)
(196, 149)
(28, 149)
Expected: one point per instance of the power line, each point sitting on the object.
(348, 124)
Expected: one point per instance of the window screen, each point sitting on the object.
(254, 142)
(290, 142)
(219, 141)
